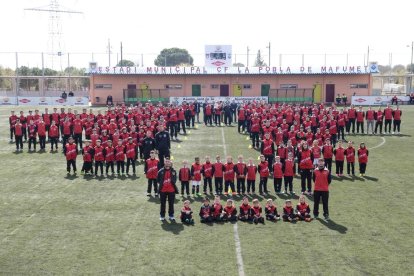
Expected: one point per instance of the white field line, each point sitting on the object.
(380, 144)
(240, 265)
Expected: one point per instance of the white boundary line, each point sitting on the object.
(380, 144)
(240, 265)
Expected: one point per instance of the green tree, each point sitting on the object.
(173, 57)
(6, 83)
(259, 60)
(125, 62)
(238, 64)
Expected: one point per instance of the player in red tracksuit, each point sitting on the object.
(251, 176)
(350, 159)
(379, 117)
(218, 175)
(196, 176)
(388, 118)
(78, 130)
(267, 148)
(263, 169)
(241, 120)
(99, 157)
(207, 170)
(362, 159)
(184, 176)
(87, 153)
(12, 122)
(303, 209)
(360, 115)
(229, 211)
(229, 176)
(208, 111)
(151, 171)
(327, 152)
(254, 130)
(351, 120)
(120, 150)
(396, 114)
(305, 159)
(71, 152)
(131, 155)
(288, 173)
(277, 175)
(109, 153)
(66, 129)
(41, 131)
(32, 132)
(241, 170)
(206, 212)
(256, 211)
(245, 213)
(271, 211)
(181, 120)
(18, 135)
(322, 179)
(53, 136)
(339, 153)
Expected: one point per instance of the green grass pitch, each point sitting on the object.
(54, 224)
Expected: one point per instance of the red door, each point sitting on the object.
(330, 93)
(224, 90)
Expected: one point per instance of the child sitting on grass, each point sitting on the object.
(257, 212)
(245, 213)
(271, 211)
(303, 210)
(206, 211)
(187, 214)
(217, 209)
(289, 212)
(229, 212)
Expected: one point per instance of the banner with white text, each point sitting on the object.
(376, 100)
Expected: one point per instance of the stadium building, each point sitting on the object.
(287, 84)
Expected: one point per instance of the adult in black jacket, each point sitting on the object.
(166, 179)
(162, 144)
(148, 144)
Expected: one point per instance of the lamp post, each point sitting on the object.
(411, 66)
(269, 52)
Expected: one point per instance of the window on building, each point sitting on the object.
(103, 86)
(288, 86)
(214, 86)
(174, 86)
(359, 85)
(247, 86)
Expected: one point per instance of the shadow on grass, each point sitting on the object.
(337, 178)
(71, 176)
(172, 227)
(334, 226)
(370, 178)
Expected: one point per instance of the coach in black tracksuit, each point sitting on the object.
(148, 144)
(162, 144)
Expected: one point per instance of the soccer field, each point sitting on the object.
(51, 223)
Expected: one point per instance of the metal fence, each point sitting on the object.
(132, 96)
(291, 95)
(41, 86)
